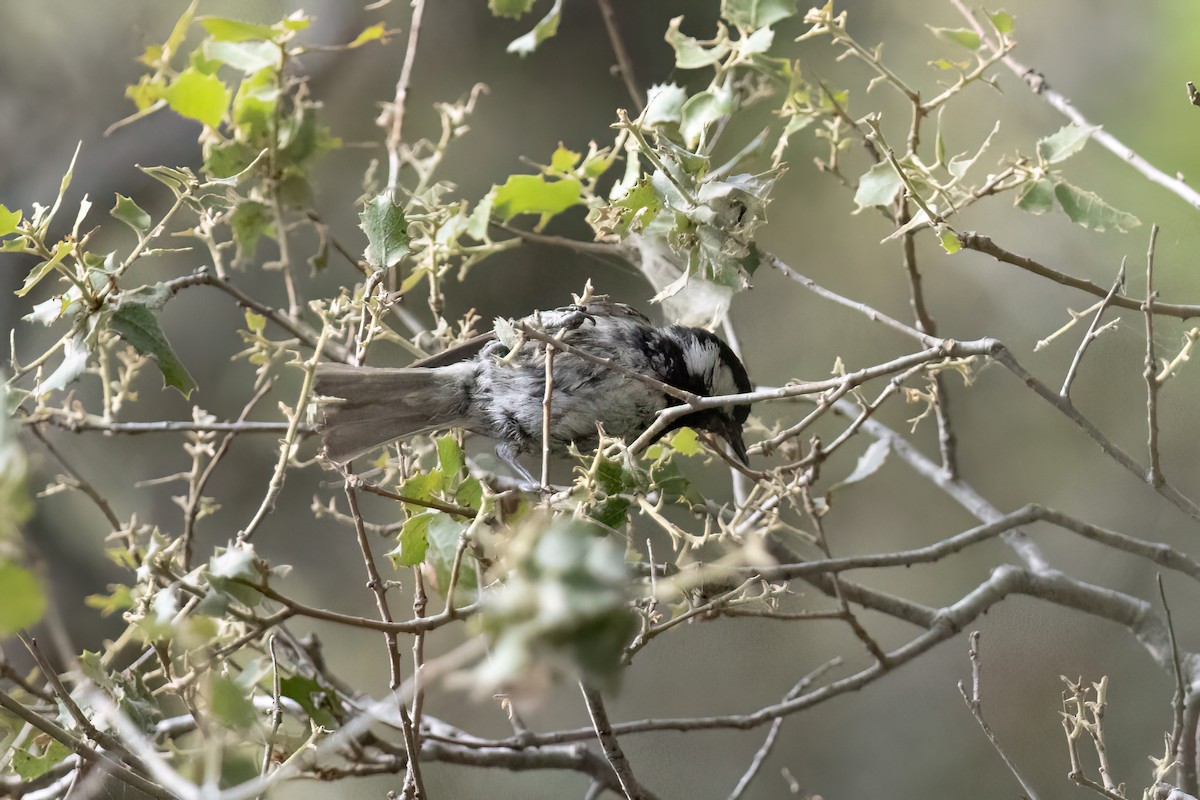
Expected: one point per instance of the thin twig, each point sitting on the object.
(1178, 699)
(78, 480)
(608, 742)
(1093, 332)
(1154, 476)
(395, 119)
(975, 704)
(624, 62)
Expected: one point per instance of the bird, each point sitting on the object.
(496, 389)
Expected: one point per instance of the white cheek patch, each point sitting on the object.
(723, 382)
(700, 358)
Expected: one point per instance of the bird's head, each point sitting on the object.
(710, 368)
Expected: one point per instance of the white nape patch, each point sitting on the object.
(700, 357)
(723, 382)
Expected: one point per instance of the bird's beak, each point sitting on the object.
(732, 433)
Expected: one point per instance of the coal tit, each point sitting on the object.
(498, 393)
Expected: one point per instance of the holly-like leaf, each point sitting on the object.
(414, 541)
(702, 110)
(387, 231)
(1087, 209)
(546, 27)
(198, 96)
(664, 104)
(9, 220)
(24, 599)
(1069, 140)
(450, 456)
(753, 14)
(690, 53)
(137, 325)
(30, 766)
(229, 703)
(513, 9)
(879, 186)
(131, 214)
(442, 539)
(61, 250)
(533, 194)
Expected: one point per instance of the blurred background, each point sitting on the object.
(65, 65)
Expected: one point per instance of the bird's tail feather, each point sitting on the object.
(369, 406)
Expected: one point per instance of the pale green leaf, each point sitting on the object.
(564, 160)
(1087, 209)
(949, 240)
(75, 358)
(664, 103)
(224, 29)
(9, 220)
(1037, 197)
(1060, 146)
(249, 56)
(960, 36)
(752, 14)
(512, 9)
(414, 541)
(131, 214)
(30, 766)
(703, 110)
(546, 27)
(229, 703)
(868, 464)
(61, 250)
(450, 456)
(690, 53)
(533, 194)
(369, 34)
(1002, 21)
(879, 186)
(387, 231)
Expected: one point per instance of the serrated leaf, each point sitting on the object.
(131, 214)
(470, 493)
(414, 540)
(546, 27)
(611, 511)
(249, 221)
(30, 766)
(228, 702)
(137, 325)
(1090, 211)
(1037, 197)
(198, 96)
(690, 53)
(1060, 146)
(316, 702)
(422, 485)
(879, 186)
(224, 29)
(868, 464)
(24, 600)
(442, 538)
(960, 36)
(369, 34)
(9, 220)
(387, 231)
(752, 14)
(513, 9)
(664, 102)
(450, 456)
(533, 194)
(564, 160)
(61, 250)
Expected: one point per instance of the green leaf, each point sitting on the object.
(229, 703)
(612, 511)
(75, 358)
(137, 325)
(29, 766)
(249, 57)
(1002, 21)
(1037, 197)
(960, 36)
(198, 96)
(1087, 209)
(470, 493)
(879, 186)
(690, 53)
(664, 104)
(224, 29)
(387, 231)
(513, 9)
(369, 34)
(450, 456)
(702, 110)
(9, 220)
(24, 599)
(563, 160)
(868, 464)
(442, 537)
(949, 240)
(43, 269)
(120, 599)
(533, 194)
(131, 214)
(422, 485)
(249, 221)
(316, 702)
(685, 442)
(752, 14)
(1069, 140)
(546, 27)
(414, 540)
